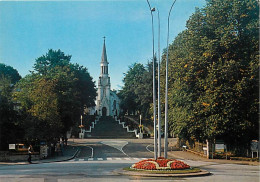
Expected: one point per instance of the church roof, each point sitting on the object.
(104, 53)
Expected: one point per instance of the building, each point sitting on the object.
(107, 102)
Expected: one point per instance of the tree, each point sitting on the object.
(39, 101)
(45, 63)
(10, 73)
(213, 68)
(75, 88)
(9, 129)
(144, 91)
(136, 94)
(69, 89)
(129, 99)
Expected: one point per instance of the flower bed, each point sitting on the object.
(160, 164)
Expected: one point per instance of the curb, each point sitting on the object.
(40, 162)
(218, 161)
(141, 174)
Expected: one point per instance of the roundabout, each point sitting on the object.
(162, 168)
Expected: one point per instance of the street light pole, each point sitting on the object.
(154, 90)
(166, 89)
(159, 100)
(81, 123)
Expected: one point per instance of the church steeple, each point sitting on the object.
(107, 101)
(104, 62)
(104, 53)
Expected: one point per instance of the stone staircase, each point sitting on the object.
(108, 127)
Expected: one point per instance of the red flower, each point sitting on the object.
(179, 165)
(145, 165)
(160, 164)
(160, 157)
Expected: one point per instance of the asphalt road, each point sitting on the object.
(98, 160)
(115, 148)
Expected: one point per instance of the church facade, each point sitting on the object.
(107, 101)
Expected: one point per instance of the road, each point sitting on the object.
(97, 160)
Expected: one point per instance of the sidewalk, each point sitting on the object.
(185, 155)
(69, 153)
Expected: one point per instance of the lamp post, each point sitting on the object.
(81, 123)
(81, 126)
(166, 89)
(159, 100)
(154, 90)
(140, 123)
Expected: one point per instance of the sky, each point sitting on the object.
(28, 29)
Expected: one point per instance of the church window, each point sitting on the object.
(114, 105)
(104, 93)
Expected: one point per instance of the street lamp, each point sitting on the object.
(154, 90)
(166, 89)
(81, 126)
(159, 100)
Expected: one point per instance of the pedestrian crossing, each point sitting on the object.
(108, 159)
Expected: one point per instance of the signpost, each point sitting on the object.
(254, 148)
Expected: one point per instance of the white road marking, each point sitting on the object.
(92, 151)
(21, 179)
(148, 148)
(107, 159)
(118, 144)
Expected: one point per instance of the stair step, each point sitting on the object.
(107, 127)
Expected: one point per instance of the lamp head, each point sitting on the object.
(153, 9)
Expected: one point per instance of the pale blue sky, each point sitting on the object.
(29, 28)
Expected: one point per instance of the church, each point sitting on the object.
(107, 101)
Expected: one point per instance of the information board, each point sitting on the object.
(220, 147)
(254, 146)
(11, 146)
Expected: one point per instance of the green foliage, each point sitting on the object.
(8, 77)
(136, 94)
(52, 59)
(129, 99)
(54, 95)
(9, 72)
(6, 87)
(40, 107)
(9, 129)
(213, 73)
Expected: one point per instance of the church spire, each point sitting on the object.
(104, 53)
(104, 63)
